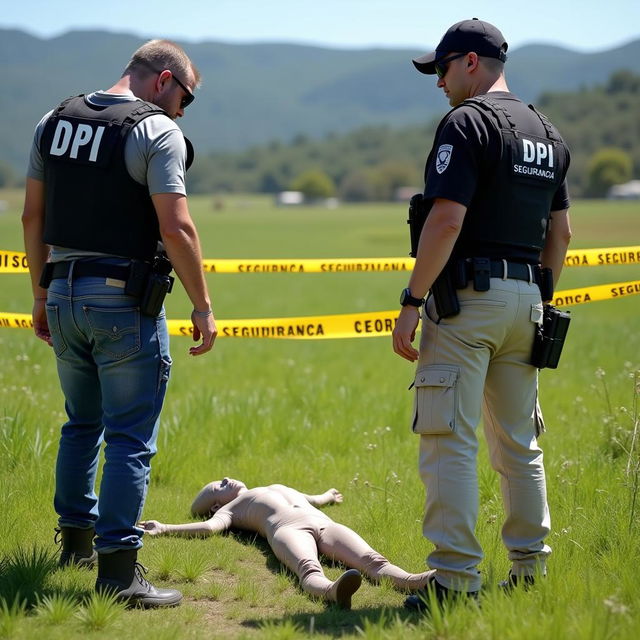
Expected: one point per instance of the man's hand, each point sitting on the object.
(153, 527)
(204, 326)
(404, 333)
(40, 323)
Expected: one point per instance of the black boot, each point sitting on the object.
(77, 547)
(120, 574)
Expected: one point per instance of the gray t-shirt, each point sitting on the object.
(155, 155)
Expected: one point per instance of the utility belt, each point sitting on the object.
(459, 273)
(148, 281)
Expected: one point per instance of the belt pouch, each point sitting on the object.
(549, 339)
(545, 282)
(444, 294)
(138, 276)
(481, 273)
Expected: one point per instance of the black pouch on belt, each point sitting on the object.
(159, 283)
(444, 294)
(550, 337)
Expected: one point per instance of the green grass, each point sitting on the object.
(316, 414)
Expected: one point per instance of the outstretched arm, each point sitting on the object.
(330, 496)
(216, 524)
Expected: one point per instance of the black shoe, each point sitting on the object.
(420, 601)
(514, 581)
(120, 574)
(77, 547)
(344, 587)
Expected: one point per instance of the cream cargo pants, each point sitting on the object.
(473, 363)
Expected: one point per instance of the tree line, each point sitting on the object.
(600, 124)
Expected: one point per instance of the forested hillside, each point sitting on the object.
(370, 163)
(255, 93)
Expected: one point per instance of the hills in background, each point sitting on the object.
(254, 93)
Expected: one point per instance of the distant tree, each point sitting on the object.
(607, 167)
(315, 184)
(387, 177)
(623, 81)
(357, 186)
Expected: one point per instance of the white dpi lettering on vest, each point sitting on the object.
(528, 150)
(537, 152)
(61, 138)
(83, 135)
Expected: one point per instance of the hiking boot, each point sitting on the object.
(120, 574)
(420, 601)
(344, 587)
(77, 547)
(514, 581)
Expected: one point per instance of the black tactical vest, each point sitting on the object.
(92, 203)
(509, 213)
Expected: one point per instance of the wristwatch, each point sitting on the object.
(407, 299)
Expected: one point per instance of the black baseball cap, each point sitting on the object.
(463, 37)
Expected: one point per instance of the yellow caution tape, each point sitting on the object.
(351, 325)
(16, 262)
(13, 262)
(308, 265)
(601, 257)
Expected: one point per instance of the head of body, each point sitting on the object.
(215, 495)
(160, 72)
(468, 61)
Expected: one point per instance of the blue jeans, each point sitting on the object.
(113, 365)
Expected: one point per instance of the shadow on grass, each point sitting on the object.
(336, 622)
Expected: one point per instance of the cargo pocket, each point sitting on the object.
(436, 399)
(53, 320)
(116, 332)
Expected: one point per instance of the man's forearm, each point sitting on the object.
(181, 241)
(33, 225)
(438, 237)
(183, 250)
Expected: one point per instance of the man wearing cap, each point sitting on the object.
(497, 203)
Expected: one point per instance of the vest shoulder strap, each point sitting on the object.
(550, 130)
(485, 104)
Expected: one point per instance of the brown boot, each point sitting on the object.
(77, 547)
(120, 574)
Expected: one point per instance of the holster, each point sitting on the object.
(549, 338)
(417, 216)
(444, 294)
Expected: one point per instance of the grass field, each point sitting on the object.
(331, 413)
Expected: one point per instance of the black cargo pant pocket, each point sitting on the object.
(436, 399)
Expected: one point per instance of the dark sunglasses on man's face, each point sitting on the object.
(442, 66)
(187, 99)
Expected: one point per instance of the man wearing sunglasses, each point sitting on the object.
(105, 205)
(497, 202)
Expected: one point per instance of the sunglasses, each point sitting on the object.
(442, 66)
(187, 99)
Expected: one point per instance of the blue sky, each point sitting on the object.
(590, 25)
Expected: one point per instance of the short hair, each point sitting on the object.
(162, 54)
(493, 65)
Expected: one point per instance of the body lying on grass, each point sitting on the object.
(296, 531)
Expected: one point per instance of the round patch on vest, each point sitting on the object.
(443, 157)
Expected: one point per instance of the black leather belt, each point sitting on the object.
(504, 269)
(83, 269)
